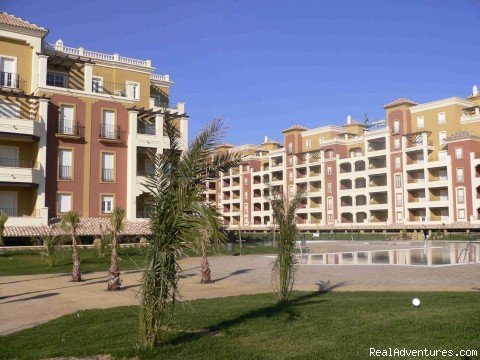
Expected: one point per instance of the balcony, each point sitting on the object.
(470, 115)
(20, 216)
(64, 172)
(19, 171)
(108, 88)
(12, 81)
(70, 131)
(111, 133)
(108, 175)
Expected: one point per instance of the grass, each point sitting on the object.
(30, 262)
(335, 325)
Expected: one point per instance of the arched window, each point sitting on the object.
(396, 126)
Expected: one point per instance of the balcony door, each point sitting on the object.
(8, 202)
(7, 72)
(66, 120)
(9, 156)
(108, 124)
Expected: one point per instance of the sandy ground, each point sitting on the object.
(28, 300)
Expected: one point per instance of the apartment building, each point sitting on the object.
(418, 168)
(76, 127)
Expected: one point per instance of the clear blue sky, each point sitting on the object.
(265, 65)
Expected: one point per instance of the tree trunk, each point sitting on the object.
(76, 273)
(206, 273)
(114, 281)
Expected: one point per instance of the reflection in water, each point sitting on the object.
(448, 254)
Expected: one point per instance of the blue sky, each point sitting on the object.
(265, 65)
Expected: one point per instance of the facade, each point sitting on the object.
(76, 127)
(419, 168)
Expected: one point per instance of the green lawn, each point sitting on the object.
(30, 262)
(335, 325)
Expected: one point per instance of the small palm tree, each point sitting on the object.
(116, 221)
(284, 213)
(203, 243)
(70, 224)
(179, 215)
(3, 220)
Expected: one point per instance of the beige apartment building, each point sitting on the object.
(76, 129)
(418, 168)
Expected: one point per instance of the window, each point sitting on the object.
(65, 161)
(107, 204)
(459, 153)
(459, 174)
(441, 118)
(398, 181)
(329, 186)
(57, 79)
(330, 218)
(396, 126)
(134, 90)
(420, 122)
(399, 216)
(461, 214)
(329, 170)
(398, 161)
(245, 181)
(290, 190)
(330, 203)
(290, 175)
(8, 71)
(399, 199)
(330, 154)
(461, 196)
(66, 121)
(108, 170)
(320, 140)
(442, 136)
(64, 203)
(290, 161)
(442, 155)
(245, 208)
(108, 125)
(308, 144)
(97, 85)
(397, 143)
(245, 194)
(290, 147)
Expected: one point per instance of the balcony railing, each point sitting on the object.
(67, 129)
(108, 175)
(16, 212)
(12, 80)
(111, 132)
(18, 163)
(64, 172)
(109, 88)
(146, 128)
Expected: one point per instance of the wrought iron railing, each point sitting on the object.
(12, 80)
(111, 132)
(70, 129)
(108, 175)
(64, 172)
(18, 163)
(109, 88)
(17, 212)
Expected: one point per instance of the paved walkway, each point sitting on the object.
(29, 300)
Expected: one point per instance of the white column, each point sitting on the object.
(159, 132)
(42, 70)
(132, 165)
(42, 160)
(184, 133)
(87, 77)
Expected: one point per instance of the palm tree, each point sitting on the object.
(70, 224)
(178, 215)
(283, 271)
(203, 243)
(3, 220)
(116, 221)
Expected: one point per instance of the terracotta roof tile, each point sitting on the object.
(400, 101)
(463, 134)
(13, 20)
(295, 127)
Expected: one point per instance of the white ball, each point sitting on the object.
(416, 302)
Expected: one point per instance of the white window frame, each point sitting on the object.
(398, 162)
(103, 201)
(59, 203)
(329, 170)
(461, 214)
(461, 178)
(308, 144)
(442, 139)
(63, 73)
(132, 85)
(399, 199)
(396, 127)
(399, 216)
(461, 198)
(459, 153)
(397, 143)
(398, 183)
(100, 81)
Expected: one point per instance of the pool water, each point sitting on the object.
(431, 255)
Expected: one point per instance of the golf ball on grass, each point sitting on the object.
(416, 302)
